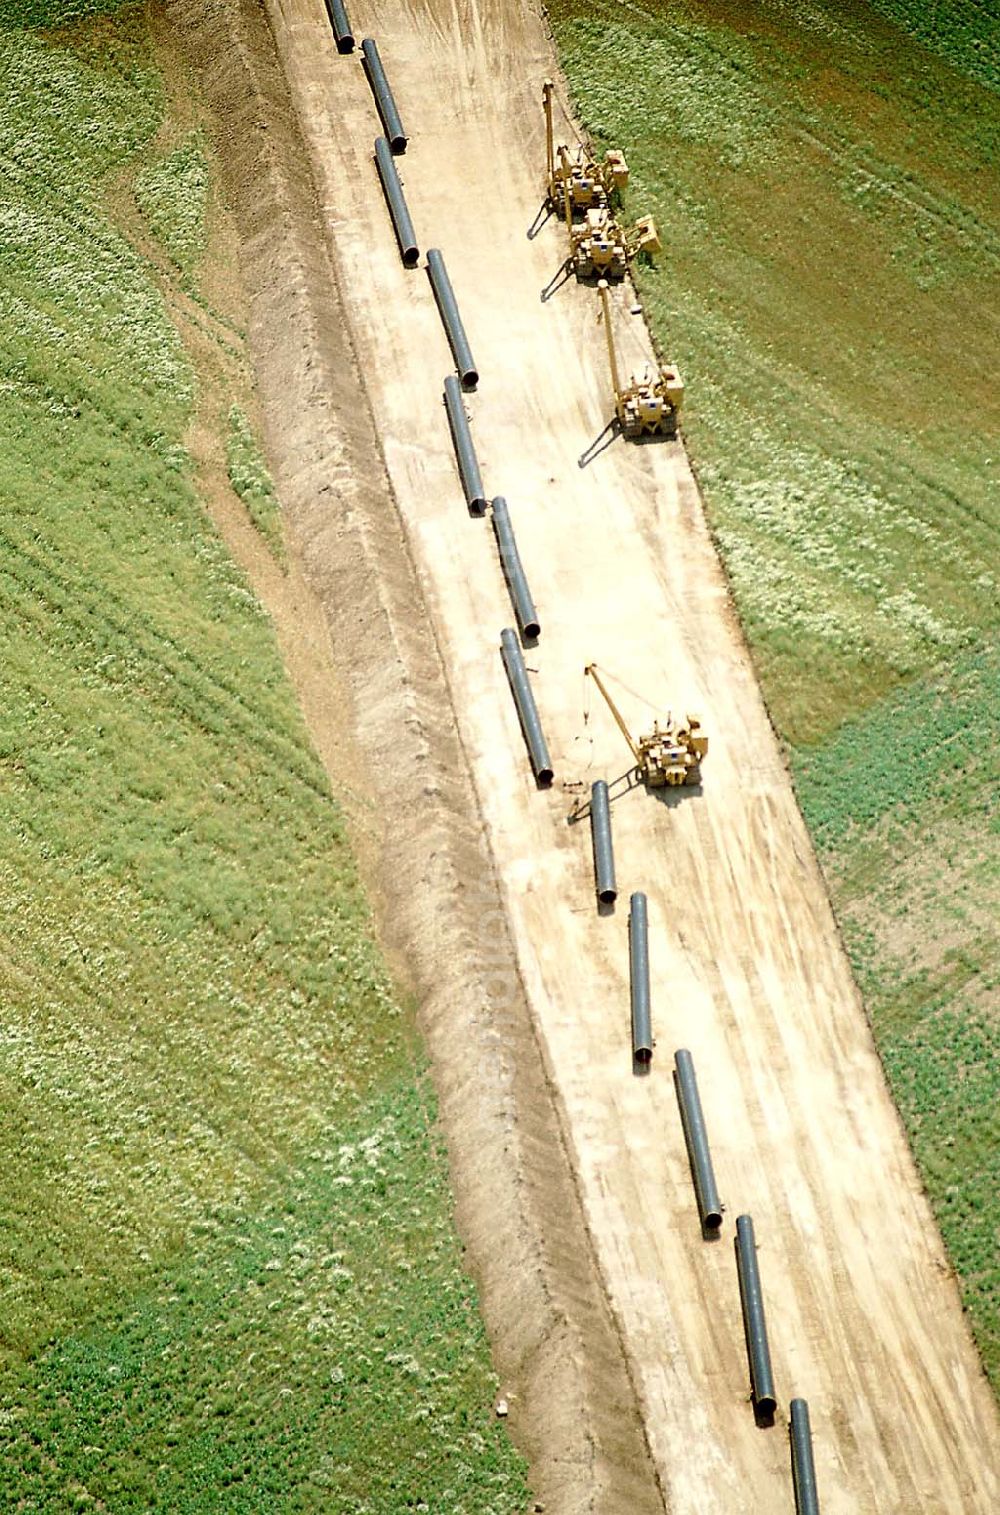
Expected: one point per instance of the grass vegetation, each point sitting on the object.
(211, 1103)
(904, 804)
(172, 194)
(249, 476)
(967, 32)
(824, 179)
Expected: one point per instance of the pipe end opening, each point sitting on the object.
(765, 1408)
(607, 896)
(531, 631)
(345, 44)
(544, 777)
(643, 1054)
(712, 1221)
(398, 144)
(470, 378)
(411, 257)
(477, 507)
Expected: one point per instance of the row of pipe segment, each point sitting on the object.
(700, 1160)
(702, 1170)
(343, 35)
(466, 378)
(762, 1390)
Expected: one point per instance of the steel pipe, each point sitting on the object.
(448, 306)
(386, 104)
(754, 1323)
(803, 1468)
(468, 463)
(342, 34)
(638, 957)
(510, 561)
(402, 225)
(600, 835)
(527, 711)
(696, 1138)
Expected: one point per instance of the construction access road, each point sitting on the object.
(747, 968)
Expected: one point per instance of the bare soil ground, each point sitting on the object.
(618, 1325)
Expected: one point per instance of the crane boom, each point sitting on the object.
(550, 157)
(602, 286)
(591, 668)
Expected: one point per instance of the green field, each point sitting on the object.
(904, 807)
(210, 1097)
(825, 186)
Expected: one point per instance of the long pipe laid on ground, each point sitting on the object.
(600, 836)
(696, 1137)
(527, 711)
(342, 34)
(638, 957)
(803, 1468)
(510, 562)
(386, 104)
(754, 1323)
(468, 463)
(402, 225)
(448, 306)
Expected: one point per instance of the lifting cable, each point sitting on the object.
(611, 678)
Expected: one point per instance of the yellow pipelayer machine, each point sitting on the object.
(582, 190)
(644, 407)
(587, 183)
(599, 248)
(668, 755)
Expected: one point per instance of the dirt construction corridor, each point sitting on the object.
(747, 968)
